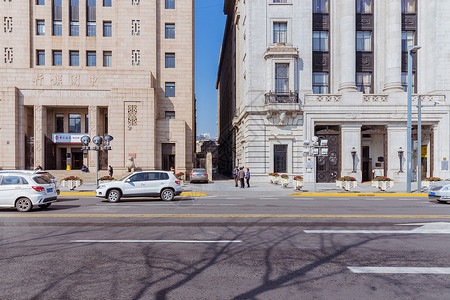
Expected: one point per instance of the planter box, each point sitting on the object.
(383, 185)
(285, 182)
(275, 179)
(346, 185)
(426, 184)
(71, 184)
(270, 179)
(298, 184)
(104, 181)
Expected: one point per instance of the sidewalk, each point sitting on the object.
(227, 186)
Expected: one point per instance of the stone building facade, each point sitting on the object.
(97, 67)
(290, 70)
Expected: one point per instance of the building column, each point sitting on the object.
(393, 50)
(351, 138)
(93, 131)
(396, 139)
(347, 43)
(40, 128)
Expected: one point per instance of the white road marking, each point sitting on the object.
(154, 241)
(430, 228)
(399, 270)
(268, 198)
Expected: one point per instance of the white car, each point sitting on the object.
(439, 191)
(23, 191)
(161, 184)
(40, 172)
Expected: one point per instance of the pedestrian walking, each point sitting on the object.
(247, 177)
(241, 175)
(110, 171)
(235, 176)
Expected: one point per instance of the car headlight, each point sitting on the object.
(101, 186)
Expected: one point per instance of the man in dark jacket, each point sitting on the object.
(235, 176)
(241, 175)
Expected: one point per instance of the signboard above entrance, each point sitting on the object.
(71, 138)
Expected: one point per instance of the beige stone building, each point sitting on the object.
(75, 67)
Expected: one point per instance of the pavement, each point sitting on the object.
(227, 186)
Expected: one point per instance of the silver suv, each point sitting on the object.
(23, 191)
(161, 184)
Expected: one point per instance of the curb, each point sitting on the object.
(360, 194)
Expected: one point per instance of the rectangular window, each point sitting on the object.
(170, 115)
(91, 58)
(74, 123)
(86, 123)
(107, 28)
(279, 32)
(135, 57)
(74, 28)
(91, 29)
(57, 58)
(320, 83)
(408, 6)
(107, 58)
(57, 28)
(170, 60)
(408, 40)
(59, 126)
(320, 6)
(107, 3)
(364, 41)
(364, 6)
(320, 41)
(364, 82)
(40, 57)
(170, 31)
(280, 158)
(170, 89)
(281, 78)
(279, 1)
(74, 58)
(40, 2)
(40, 27)
(405, 81)
(170, 4)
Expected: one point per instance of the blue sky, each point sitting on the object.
(209, 27)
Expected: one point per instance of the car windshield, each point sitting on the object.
(124, 177)
(198, 171)
(42, 179)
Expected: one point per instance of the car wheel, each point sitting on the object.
(47, 205)
(114, 196)
(24, 204)
(167, 195)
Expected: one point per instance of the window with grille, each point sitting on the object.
(135, 57)
(280, 158)
(281, 78)
(279, 32)
(135, 27)
(75, 123)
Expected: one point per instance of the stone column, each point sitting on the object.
(393, 50)
(347, 44)
(351, 138)
(93, 131)
(396, 138)
(40, 128)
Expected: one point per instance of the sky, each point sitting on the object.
(209, 27)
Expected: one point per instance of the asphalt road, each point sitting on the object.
(228, 245)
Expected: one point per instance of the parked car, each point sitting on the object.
(199, 175)
(40, 172)
(23, 191)
(439, 191)
(161, 184)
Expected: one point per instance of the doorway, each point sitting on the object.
(168, 156)
(77, 158)
(366, 164)
(63, 158)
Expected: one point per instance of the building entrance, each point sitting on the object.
(77, 158)
(373, 152)
(328, 167)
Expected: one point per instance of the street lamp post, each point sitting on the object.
(353, 160)
(97, 140)
(411, 50)
(419, 144)
(400, 158)
(313, 150)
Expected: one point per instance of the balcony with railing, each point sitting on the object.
(274, 97)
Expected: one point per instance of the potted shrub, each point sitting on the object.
(284, 180)
(180, 176)
(71, 182)
(346, 182)
(382, 182)
(298, 182)
(429, 180)
(275, 178)
(270, 177)
(105, 179)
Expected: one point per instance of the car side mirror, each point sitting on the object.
(128, 180)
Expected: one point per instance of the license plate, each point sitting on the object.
(431, 194)
(49, 190)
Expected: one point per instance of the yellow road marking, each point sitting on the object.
(50, 215)
(361, 194)
(93, 194)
